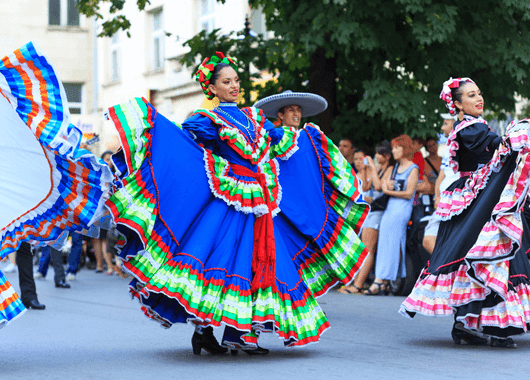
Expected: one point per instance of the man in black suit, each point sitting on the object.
(28, 291)
(58, 268)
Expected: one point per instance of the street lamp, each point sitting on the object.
(247, 37)
(246, 41)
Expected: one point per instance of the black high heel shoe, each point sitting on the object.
(206, 341)
(459, 335)
(257, 351)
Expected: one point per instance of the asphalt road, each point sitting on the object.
(95, 331)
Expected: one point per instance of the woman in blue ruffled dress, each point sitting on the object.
(227, 220)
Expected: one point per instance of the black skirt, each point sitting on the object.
(479, 269)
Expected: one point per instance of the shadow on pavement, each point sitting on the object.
(186, 355)
(449, 344)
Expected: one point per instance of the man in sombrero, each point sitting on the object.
(290, 107)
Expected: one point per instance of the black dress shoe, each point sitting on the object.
(206, 341)
(503, 343)
(34, 304)
(462, 335)
(62, 284)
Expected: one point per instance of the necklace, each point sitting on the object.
(247, 127)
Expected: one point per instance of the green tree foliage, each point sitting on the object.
(393, 56)
(381, 63)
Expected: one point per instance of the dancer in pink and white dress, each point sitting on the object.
(479, 270)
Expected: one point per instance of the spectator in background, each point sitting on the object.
(101, 246)
(98, 252)
(74, 256)
(432, 161)
(370, 230)
(364, 171)
(12, 266)
(96, 246)
(417, 144)
(390, 260)
(424, 187)
(432, 168)
(48, 253)
(347, 149)
(446, 177)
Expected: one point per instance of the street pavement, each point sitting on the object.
(95, 331)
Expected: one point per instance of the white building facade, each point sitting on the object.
(147, 63)
(99, 72)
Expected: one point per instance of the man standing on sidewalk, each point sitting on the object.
(56, 257)
(28, 291)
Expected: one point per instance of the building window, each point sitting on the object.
(207, 15)
(63, 13)
(157, 39)
(74, 94)
(115, 58)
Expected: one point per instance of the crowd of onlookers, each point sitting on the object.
(402, 180)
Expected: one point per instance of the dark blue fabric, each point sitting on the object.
(44, 261)
(75, 253)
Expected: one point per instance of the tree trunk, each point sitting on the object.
(322, 82)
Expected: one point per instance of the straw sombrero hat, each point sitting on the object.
(310, 104)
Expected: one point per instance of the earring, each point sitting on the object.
(461, 115)
(215, 102)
